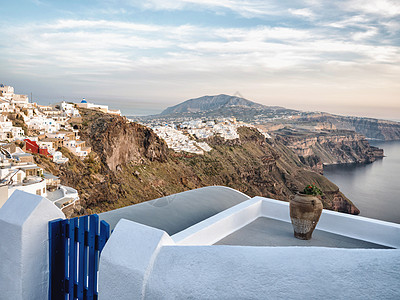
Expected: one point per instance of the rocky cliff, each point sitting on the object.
(130, 164)
(316, 148)
(371, 128)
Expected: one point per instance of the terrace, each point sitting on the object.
(210, 243)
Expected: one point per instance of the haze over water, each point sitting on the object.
(373, 188)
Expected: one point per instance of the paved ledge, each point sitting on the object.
(269, 232)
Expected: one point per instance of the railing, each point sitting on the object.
(75, 246)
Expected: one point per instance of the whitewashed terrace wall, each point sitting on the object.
(224, 223)
(24, 246)
(141, 262)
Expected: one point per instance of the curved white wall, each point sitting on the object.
(29, 188)
(141, 262)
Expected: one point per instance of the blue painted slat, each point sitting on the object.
(72, 258)
(96, 257)
(82, 268)
(86, 252)
(93, 229)
(57, 267)
(104, 234)
(64, 255)
(65, 234)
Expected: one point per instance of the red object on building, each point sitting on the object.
(44, 151)
(33, 147)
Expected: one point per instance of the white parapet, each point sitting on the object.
(228, 221)
(127, 259)
(217, 227)
(24, 246)
(141, 262)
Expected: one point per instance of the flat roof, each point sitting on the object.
(51, 140)
(29, 167)
(177, 212)
(270, 232)
(50, 176)
(22, 154)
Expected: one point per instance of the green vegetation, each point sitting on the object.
(312, 189)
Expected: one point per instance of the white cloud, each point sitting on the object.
(97, 51)
(247, 8)
(385, 8)
(367, 34)
(304, 12)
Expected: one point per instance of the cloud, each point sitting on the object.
(303, 12)
(104, 46)
(384, 8)
(247, 8)
(264, 44)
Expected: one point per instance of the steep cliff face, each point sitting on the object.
(118, 141)
(371, 128)
(329, 147)
(130, 164)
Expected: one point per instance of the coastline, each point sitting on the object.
(373, 188)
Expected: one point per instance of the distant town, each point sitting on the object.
(182, 137)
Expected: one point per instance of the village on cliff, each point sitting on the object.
(28, 129)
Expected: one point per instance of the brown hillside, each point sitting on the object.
(130, 164)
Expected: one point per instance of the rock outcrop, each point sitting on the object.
(118, 141)
(316, 149)
(369, 127)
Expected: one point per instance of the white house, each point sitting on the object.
(8, 131)
(103, 108)
(6, 91)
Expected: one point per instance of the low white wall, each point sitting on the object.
(24, 246)
(227, 272)
(275, 209)
(219, 226)
(29, 188)
(371, 230)
(140, 262)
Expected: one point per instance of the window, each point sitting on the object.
(38, 192)
(44, 190)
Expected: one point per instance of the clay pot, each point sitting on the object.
(305, 211)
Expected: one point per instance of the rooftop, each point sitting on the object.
(223, 216)
(177, 212)
(269, 232)
(247, 251)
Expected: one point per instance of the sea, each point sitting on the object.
(374, 188)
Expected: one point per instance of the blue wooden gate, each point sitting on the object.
(75, 246)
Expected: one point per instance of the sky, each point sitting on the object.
(143, 56)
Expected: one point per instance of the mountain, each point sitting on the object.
(218, 106)
(208, 103)
(271, 117)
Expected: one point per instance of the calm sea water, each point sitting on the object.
(373, 188)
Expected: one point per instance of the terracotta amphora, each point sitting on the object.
(305, 211)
